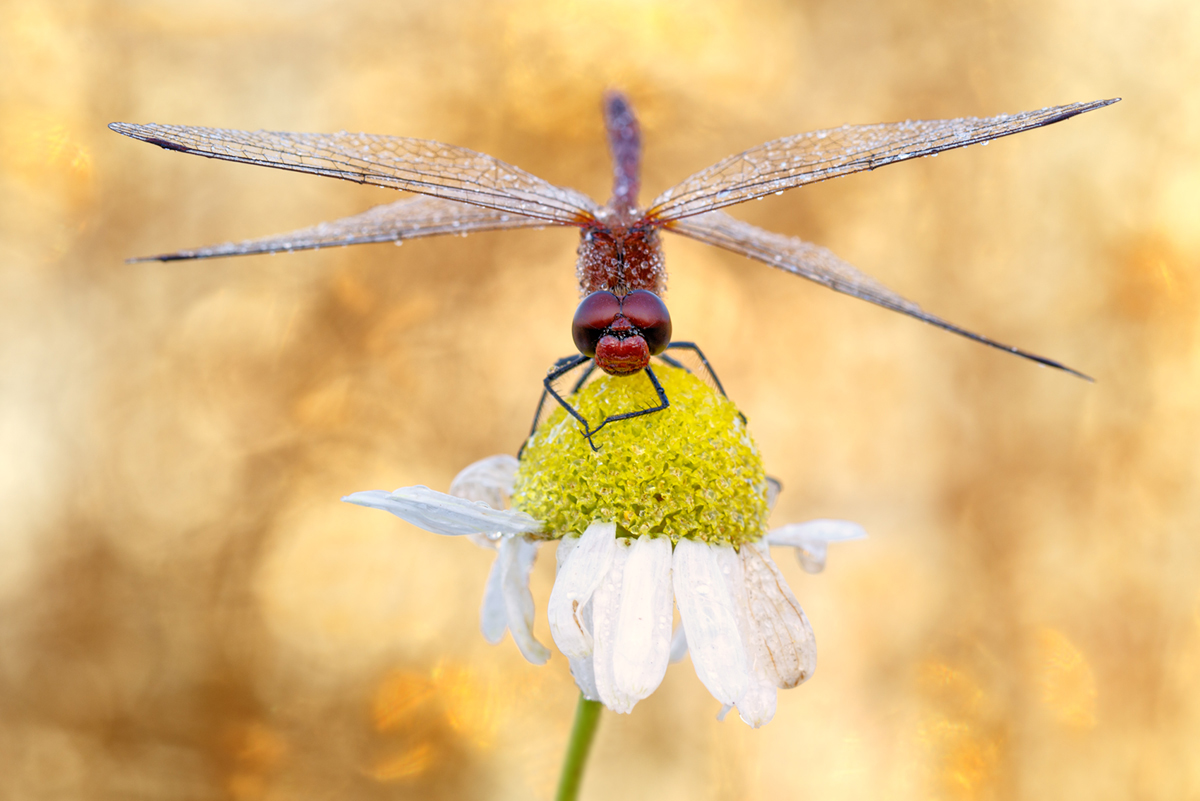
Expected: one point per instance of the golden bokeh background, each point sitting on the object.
(187, 611)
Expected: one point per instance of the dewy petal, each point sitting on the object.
(779, 637)
(634, 644)
(811, 540)
(516, 559)
(606, 607)
(709, 618)
(757, 705)
(581, 667)
(493, 617)
(584, 672)
(678, 645)
(489, 480)
(445, 514)
(579, 574)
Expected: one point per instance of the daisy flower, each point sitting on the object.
(669, 513)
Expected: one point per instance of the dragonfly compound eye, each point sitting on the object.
(595, 313)
(649, 314)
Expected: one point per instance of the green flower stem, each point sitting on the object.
(587, 716)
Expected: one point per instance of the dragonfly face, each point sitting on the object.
(621, 333)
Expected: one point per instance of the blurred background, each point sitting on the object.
(188, 611)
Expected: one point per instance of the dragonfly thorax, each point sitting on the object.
(620, 259)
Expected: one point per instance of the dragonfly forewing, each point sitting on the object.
(808, 158)
(412, 165)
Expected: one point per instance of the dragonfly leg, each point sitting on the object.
(565, 365)
(692, 346)
(663, 403)
(561, 367)
(673, 362)
(587, 373)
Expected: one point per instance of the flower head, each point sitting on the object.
(689, 472)
(669, 513)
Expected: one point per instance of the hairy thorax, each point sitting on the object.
(620, 259)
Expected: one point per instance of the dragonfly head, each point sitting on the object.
(621, 333)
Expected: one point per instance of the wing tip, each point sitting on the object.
(1075, 109)
(139, 132)
(1073, 372)
(1095, 104)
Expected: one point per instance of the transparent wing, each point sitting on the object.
(394, 222)
(413, 165)
(817, 156)
(818, 264)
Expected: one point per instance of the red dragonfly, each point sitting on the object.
(621, 322)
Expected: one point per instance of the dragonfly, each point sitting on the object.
(621, 321)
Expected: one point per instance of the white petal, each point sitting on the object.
(445, 514)
(774, 487)
(516, 557)
(724, 711)
(757, 705)
(779, 638)
(585, 677)
(812, 556)
(606, 606)
(710, 619)
(579, 574)
(678, 645)
(489, 480)
(641, 641)
(565, 546)
(581, 667)
(488, 543)
(811, 539)
(493, 618)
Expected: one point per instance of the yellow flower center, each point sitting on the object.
(691, 470)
